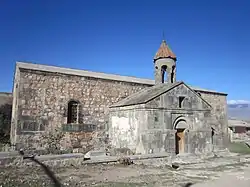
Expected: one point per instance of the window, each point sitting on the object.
(181, 99)
(156, 117)
(73, 112)
(212, 134)
(163, 73)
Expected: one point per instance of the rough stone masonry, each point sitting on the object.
(77, 103)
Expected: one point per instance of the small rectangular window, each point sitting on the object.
(73, 112)
(181, 99)
(156, 119)
(156, 116)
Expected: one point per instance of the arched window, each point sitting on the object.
(164, 75)
(73, 112)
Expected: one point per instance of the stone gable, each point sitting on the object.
(170, 99)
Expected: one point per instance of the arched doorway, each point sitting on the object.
(180, 127)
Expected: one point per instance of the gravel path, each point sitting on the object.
(143, 173)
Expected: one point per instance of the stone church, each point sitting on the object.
(142, 115)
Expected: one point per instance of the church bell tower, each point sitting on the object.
(165, 65)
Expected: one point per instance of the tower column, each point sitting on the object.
(174, 74)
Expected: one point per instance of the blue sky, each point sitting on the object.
(210, 38)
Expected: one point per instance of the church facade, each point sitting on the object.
(169, 116)
(161, 115)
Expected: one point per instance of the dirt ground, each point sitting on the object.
(142, 173)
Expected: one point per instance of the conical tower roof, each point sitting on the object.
(164, 52)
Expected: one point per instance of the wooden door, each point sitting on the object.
(180, 138)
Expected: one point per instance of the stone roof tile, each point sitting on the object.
(146, 94)
(164, 52)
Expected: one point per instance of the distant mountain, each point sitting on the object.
(239, 109)
(5, 98)
(238, 105)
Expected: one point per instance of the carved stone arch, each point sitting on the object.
(164, 67)
(181, 136)
(181, 123)
(73, 100)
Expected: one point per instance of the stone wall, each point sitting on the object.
(136, 130)
(199, 131)
(43, 97)
(125, 127)
(130, 129)
(199, 141)
(219, 116)
(160, 116)
(41, 94)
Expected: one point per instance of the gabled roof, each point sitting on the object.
(164, 52)
(146, 94)
(150, 93)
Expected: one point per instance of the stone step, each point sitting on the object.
(8, 154)
(93, 154)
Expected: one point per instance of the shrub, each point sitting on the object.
(5, 123)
